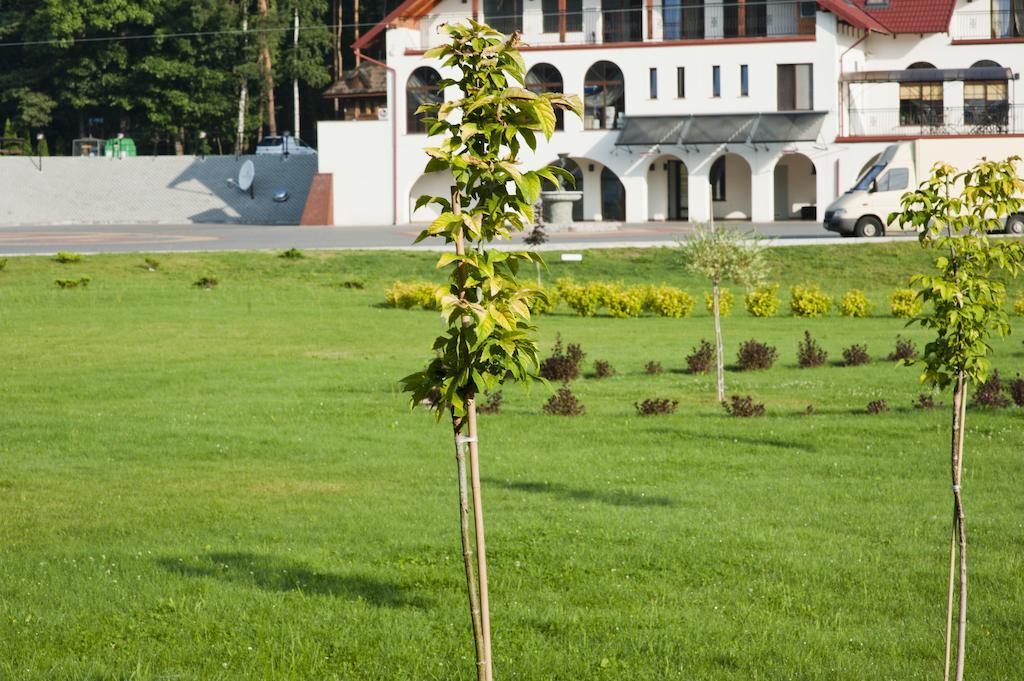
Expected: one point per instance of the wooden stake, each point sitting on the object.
(719, 353)
(467, 547)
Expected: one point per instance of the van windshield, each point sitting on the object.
(865, 181)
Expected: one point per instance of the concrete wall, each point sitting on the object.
(150, 189)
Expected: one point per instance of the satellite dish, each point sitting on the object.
(247, 177)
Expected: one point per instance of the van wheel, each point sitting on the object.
(869, 226)
(1015, 225)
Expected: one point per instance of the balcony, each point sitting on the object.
(998, 118)
(684, 20)
(995, 25)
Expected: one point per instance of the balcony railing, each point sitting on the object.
(752, 19)
(991, 119)
(992, 25)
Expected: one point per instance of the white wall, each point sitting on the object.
(357, 154)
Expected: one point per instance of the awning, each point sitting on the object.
(930, 75)
(764, 128)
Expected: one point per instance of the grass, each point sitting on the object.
(227, 484)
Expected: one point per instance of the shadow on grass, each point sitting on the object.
(612, 498)
(273, 574)
(753, 441)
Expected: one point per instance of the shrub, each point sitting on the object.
(990, 393)
(563, 403)
(562, 365)
(1018, 305)
(855, 304)
(407, 295)
(809, 301)
(905, 350)
(492, 405)
(66, 257)
(72, 283)
(856, 355)
(669, 301)
(3, 263)
(753, 355)
(352, 283)
(656, 405)
(292, 254)
(151, 264)
(585, 301)
(924, 401)
(744, 407)
(545, 303)
(725, 301)
(809, 354)
(653, 368)
(603, 369)
(763, 301)
(625, 302)
(903, 303)
(206, 283)
(702, 359)
(877, 406)
(1017, 391)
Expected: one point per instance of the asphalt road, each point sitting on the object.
(45, 240)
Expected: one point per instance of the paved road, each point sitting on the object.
(45, 240)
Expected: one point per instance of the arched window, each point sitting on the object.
(921, 102)
(546, 78)
(986, 102)
(613, 197)
(421, 89)
(717, 178)
(604, 96)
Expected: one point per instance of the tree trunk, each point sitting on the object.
(719, 352)
(467, 547)
(482, 625)
(958, 541)
(268, 73)
(179, 142)
(295, 82)
(243, 93)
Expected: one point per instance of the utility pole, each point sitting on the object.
(268, 71)
(295, 77)
(243, 94)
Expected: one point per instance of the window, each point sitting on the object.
(604, 96)
(654, 83)
(921, 104)
(717, 178)
(986, 105)
(807, 9)
(716, 81)
(795, 87)
(680, 82)
(1007, 19)
(621, 21)
(546, 78)
(897, 179)
(744, 80)
(504, 15)
(682, 19)
(420, 89)
(553, 18)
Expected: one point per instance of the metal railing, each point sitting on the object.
(992, 25)
(752, 19)
(994, 118)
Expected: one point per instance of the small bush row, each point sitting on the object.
(409, 294)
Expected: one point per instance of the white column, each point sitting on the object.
(762, 195)
(636, 196)
(699, 195)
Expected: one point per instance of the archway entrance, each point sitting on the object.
(730, 188)
(796, 188)
(434, 184)
(668, 189)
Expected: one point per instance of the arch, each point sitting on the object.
(604, 195)
(921, 102)
(668, 189)
(731, 180)
(604, 96)
(921, 65)
(421, 88)
(613, 196)
(577, 174)
(796, 187)
(434, 184)
(986, 64)
(544, 77)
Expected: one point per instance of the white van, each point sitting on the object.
(863, 210)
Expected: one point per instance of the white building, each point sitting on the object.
(755, 110)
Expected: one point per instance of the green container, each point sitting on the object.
(119, 147)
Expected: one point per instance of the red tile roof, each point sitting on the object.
(910, 16)
(853, 15)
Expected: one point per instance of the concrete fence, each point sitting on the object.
(151, 189)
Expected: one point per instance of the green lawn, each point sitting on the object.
(228, 484)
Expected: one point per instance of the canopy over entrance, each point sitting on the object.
(763, 128)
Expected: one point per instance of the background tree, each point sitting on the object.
(489, 338)
(955, 212)
(723, 254)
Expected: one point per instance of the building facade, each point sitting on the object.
(756, 110)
